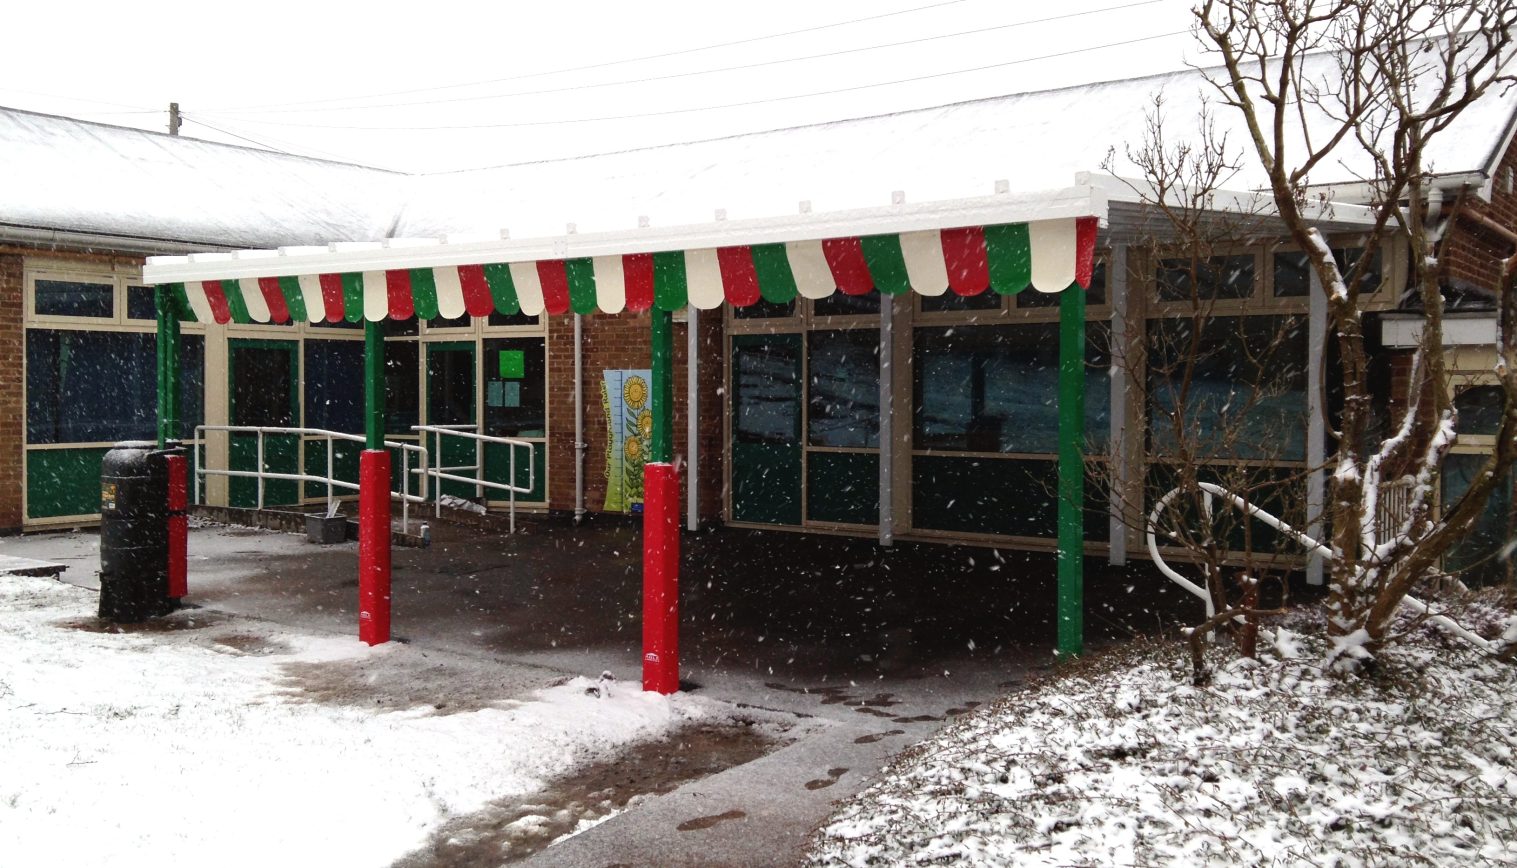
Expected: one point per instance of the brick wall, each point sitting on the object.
(615, 342)
(11, 393)
(1470, 254)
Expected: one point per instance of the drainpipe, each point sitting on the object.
(579, 422)
(692, 419)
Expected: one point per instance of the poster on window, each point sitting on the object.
(629, 426)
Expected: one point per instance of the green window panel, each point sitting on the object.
(843, 487)
(263, 389)
(1013, 497)
(498, 467)
(63, 482)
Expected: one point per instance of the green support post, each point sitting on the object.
(1071, 634)
(373, 386)
(168, 365)
(662, 447)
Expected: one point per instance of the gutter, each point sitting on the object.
(94, 242)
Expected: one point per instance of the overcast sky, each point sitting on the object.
(442, 85)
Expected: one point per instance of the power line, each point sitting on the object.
(284, 146)
(742, 104)
(700, 72)
(608, 63)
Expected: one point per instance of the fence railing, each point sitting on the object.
(329, 480)
(1210, 492)
(441, 472)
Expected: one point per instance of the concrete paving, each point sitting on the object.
(873, 649)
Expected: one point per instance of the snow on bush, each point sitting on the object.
(1122, 761)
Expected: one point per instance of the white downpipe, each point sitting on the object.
(693, 420)
(1448, 625)
(579, 422)
(1116, 282)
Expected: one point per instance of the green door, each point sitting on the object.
(766, 428)
(263, 389)
(451, 378)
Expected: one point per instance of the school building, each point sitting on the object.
(928, 414)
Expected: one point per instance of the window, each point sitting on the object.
(1293, 271)
(763, 309)
(842, 304)
(995, 388)
(141, 303)
(511, 319)
(516, 387)
(766, 390)
(1480, 409)
(334, 385)
(1246, 396)
(1202, 279)
(843, 388)
(94, 387)
(402, 386)
(1094, 295)
(74, 298)
(952, 301)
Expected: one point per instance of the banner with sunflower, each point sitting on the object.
(629, 428)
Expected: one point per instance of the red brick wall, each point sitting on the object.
(1471, 254)
(11, 393)
(621, 341)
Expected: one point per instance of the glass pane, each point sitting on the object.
(334, 385)
(450, 386)
(1480, 409)
(953, 301)
(1484, 556)
(459, 322)
(1292, 274)
(766, 389)
(1217, 277)
(511, 319)
(1096, 294)
(72, 298)
(1293, 271)
(342, 324)
(843, 388)
(401, 328)
(996, 388)
(1244, 395)
(263, 381)
(84, 387)
(191, 384)
(516, 387)
(140, 303)
(762, 309)
(402, 386)
(842, 304)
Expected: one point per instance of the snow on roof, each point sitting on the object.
(1032, 141)
(65, 174)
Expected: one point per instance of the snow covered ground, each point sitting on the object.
(199, 742)
(1123, 762)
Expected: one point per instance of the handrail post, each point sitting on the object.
(197, 468)
(260, 469)
(479, 469)
(511, 469)
(329, 474)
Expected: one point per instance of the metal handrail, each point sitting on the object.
(330, 480)
(465, 431)
(1210, 491)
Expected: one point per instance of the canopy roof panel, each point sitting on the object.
(1047, 255)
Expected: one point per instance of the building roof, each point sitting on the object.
(71, 175)
(80, 177)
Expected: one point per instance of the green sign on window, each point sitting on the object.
(513, 364)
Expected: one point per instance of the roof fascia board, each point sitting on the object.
(92, 241)
(1243, 203)
(1078, 201)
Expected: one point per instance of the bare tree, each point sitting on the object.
(1372, 84)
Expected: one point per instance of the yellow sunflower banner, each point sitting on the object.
(629, 427)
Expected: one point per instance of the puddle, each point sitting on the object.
(876, 736)
(246, 643)
(513, 828)
(177, 622)
(832, 778)
(707, 822)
